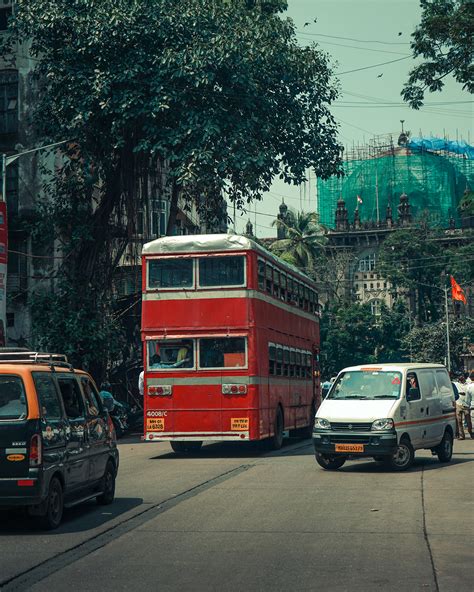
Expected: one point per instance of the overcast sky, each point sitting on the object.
(350, 30)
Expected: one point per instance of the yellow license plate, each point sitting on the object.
(155, 424)
(349, 447)
(238, 424)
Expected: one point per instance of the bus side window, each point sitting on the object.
(261, 274)
(292, 362)
(298, 365)
(269, 282)
(301, 296)
(283, 280)
(276, 283)
(279, 364)
(286, 361)
(306, 298)
(289, 290)
(308, 365)
(271, 359)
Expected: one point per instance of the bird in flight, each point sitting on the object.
(380, 75)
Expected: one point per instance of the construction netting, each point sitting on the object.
(434, 175)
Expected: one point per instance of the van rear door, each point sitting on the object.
(15, 428)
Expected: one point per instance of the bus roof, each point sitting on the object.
(204, 243)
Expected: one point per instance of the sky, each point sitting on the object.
(357, 34)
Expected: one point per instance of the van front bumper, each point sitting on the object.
(368, 443)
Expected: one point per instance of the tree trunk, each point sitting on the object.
(173, 209)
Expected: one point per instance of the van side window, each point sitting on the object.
(428, 383)
(72, 398)
(413, 383)
(444, 384)
(91, 397)
(47, 395)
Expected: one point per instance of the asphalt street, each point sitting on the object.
(236, 518)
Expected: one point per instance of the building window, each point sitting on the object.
(376, 307)
(367, 263)
(8, 102)
(5, 14)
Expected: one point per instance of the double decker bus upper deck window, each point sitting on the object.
(221, 271)
(222, 352)
(170, 273)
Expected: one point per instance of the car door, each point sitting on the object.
(96, 418)
(53, 422)
(77, 446)
(431, 410)
(414, 414)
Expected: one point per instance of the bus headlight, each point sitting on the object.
(383, 424)
(321, 423)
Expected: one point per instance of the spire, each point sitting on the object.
(342, 218)
(282, 216)
(249, 228)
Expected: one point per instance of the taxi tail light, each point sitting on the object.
(161, 391)
(36, 451)
(234, 389)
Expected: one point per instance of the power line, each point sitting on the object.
(354, 39)
(363, 48)
(373, 66)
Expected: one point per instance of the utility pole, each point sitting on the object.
(448, 351)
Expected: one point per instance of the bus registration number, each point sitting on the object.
(349, 447)
(155, 424)
(238, 424)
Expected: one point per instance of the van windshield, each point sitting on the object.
(12, 398)
(371, 384)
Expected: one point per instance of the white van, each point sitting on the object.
(386, 411)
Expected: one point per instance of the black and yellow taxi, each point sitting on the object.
(57, 443)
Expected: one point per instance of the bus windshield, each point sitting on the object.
(371, 384)
(170, 353)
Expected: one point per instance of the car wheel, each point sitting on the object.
(185, 447)
(276, 441)
(52, 516)
(107, 486)
(445, 448)
(330, 463)
(403, 457)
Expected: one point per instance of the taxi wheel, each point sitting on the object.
(330, 463)
(53, 514)
(403, 457)
(108, 486)
(185, 447)
(445, 448)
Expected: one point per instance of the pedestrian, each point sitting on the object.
(463, 407)
(141, 383)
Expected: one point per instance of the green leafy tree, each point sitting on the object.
(196, 97)
(444, 40)
(413, 260)
(428, 343)
(304, 240)
(349, 336)
(394, 324)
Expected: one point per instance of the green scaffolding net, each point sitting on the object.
(434, 182)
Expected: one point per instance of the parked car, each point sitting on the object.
(386, 411)
(57, 442)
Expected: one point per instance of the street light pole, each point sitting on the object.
(448, 352)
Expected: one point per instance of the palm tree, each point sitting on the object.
(304, 239)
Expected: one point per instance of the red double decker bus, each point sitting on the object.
(231, 342)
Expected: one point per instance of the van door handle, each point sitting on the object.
(427, 411)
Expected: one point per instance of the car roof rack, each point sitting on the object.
(18, 355)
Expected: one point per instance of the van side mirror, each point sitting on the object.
(413, 394)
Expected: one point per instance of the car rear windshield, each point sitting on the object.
(12, 398)
(370, 384)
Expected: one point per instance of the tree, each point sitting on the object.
(428, 343)
(413, 261)
(444, 40)
(195, 97)
(394, 325)
(349, 336)
(304, 240)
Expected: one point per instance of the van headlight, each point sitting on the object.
(321, 423)
(383, 424)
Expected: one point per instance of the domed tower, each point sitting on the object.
(342, 217)
(249, 229)
(404, 213)
(282, 216)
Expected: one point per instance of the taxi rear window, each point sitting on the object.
(12, 398)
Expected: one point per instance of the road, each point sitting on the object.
(235, 518)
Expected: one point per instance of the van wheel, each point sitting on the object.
(107, 486)
(276, 441)
(403, 457)
(185, 447)
(330, 463)
(54, 503)
(444, 450)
